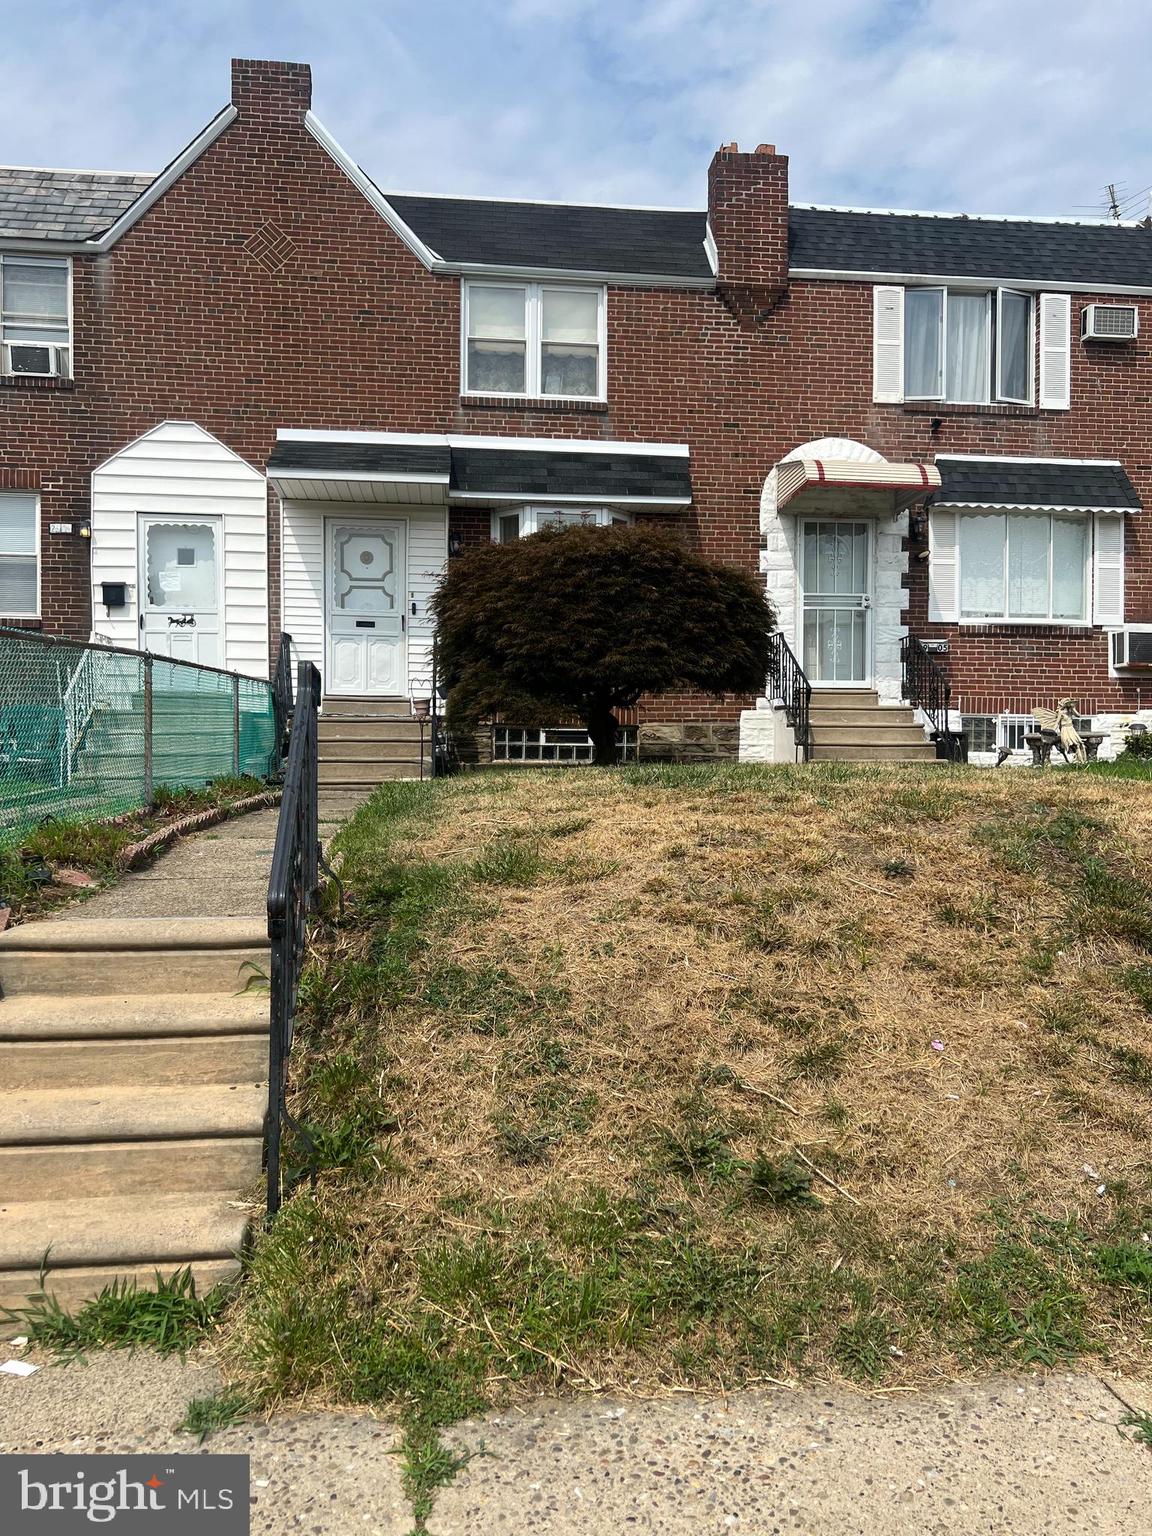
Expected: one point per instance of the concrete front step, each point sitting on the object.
(118, 1016)
(121, 1229)
(845, 698)
(101, 1169)
(137, 1112)
(73, 1287)
(869, 734)
(166, 1061)
(360, 751)
(871, 753)
(133, 955)
(355, 775)
(368, 728)
(365, 708)
(879, 714)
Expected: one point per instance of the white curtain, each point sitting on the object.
(923, 336)
(967, 347)
(982, 565)
(1012, 344)
(1069, 568)
(1028, 567)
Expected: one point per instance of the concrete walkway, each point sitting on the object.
(1034, 1456)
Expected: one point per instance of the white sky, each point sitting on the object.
(1025, 106)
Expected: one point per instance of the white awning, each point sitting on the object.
(846, 486)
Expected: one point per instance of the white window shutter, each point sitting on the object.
(1108, 570)
(943, 565)
(888, 344)
(1055, 351)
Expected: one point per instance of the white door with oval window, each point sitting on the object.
(365, 622)
(180, 588)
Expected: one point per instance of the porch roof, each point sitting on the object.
(431, 469)
(1082, 485)
(852, 485)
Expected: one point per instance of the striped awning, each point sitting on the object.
(852, 485)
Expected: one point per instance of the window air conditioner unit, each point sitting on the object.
(37, 358)
(1109, 322)
(1132, 650)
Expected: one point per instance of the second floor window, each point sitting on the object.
(35, 326)
(534, 339)
(968, 348)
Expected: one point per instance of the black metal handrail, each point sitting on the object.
(282, 693)
(438, 748)
(791, 686)
(291, 897)
(924, 684)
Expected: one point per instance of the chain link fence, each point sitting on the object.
(88, 731)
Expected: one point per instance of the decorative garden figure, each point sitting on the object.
(1062, 721)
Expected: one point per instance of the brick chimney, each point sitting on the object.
(748, 216)
(266, 88)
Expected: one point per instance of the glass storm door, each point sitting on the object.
(180, 589)
(836, 582)
(367, 580)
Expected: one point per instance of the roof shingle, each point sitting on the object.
(1034, 483)
(64, 205)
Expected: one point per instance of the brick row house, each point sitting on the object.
(255, 393)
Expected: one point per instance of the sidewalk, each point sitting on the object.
(1030, 1456)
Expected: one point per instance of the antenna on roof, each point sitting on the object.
(1113, 201)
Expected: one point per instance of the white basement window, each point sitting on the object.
(518, 523)
(554, 744)
(968, 348)
(992, 733)
(35, 317)
(534, 339)
(1028, 566)
(19, 555)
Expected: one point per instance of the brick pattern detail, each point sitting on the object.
(270, 247)
(178, 321)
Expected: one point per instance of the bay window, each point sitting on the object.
(1027, 566)
(19, 581)
(507, 527)
(967, 347)
(534, 339)
(35, 325)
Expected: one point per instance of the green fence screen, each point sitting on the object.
(88, 731)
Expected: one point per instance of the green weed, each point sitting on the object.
(170, 1318)
(205, 1415)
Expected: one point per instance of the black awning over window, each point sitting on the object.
(608, 476)
(376, 459)
(1048, 484)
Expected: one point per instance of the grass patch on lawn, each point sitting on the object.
(702, 1077)
(169, 1317)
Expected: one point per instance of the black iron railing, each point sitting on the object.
(790, 685)
(924, 685)
(291, 897)
(282, 693)
(438, 752)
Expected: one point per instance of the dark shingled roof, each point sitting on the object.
(361, 458)
(64, 205)
(929, 245)
(1034, 483)
(655, 242)
(604, 476)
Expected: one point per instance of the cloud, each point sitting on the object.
(990, 106)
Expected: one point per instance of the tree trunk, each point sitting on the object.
(601, 723)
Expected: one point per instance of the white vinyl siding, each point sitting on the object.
(1108, 570)
(888, 344)
(179, 471)
(1055, 351)
(302, 578)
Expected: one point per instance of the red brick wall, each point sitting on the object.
(181, 320)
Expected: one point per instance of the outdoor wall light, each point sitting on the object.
(85, 530)
(917, 525)
(455, 545)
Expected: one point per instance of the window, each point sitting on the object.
(19, 583)
(554, 745)
(993, 733)
(968, 348)
(507, 527)
(534, 339)
(1030, 566)
(35, 329)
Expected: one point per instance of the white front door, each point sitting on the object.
(180, 588)
(364, 618)
(836, 602)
